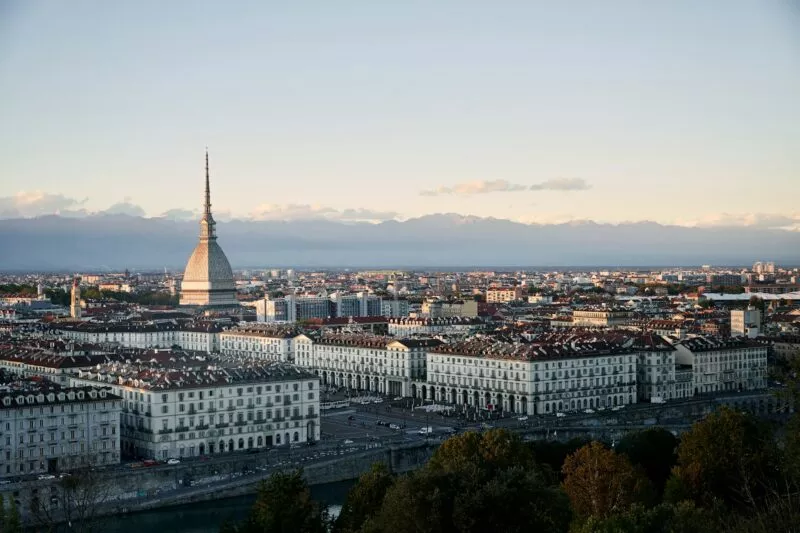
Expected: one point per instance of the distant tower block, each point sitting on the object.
(75, 300)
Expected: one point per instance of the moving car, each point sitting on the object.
(173, 461)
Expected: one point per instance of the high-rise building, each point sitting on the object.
(208, 278)
(745, 322)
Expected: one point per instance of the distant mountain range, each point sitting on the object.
(122, 241)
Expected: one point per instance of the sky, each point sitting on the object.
(678, 112)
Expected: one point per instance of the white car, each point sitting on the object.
(348, 441)
(589, 411)
(522, 418)
(394, 426)
(560, 415)
(173, 461)
(47, 476)
(377, 401)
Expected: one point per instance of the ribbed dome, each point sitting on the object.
(209, 264)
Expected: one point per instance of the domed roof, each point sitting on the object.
(208, 278)
(209, 264)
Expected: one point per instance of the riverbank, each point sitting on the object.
(207, 517)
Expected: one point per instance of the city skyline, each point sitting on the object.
(681, 114)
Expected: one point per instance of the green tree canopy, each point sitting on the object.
(600, 482)
(284, 505)
(365, 499)
(655, 450)
(664, 518)
(730, 456)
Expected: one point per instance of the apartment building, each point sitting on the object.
(293, 308)
(600, 318)
(503, 294)
(745, 322)
(198, 336)
(365, 362)
(655, 368)
(724, 364)
(259, 341)
(449, 308)
(405, 327)
(555, 373)
(46, 429)
(27, 362)
(192, 406)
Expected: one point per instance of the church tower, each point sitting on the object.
(75, 298)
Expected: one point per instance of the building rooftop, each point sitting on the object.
(194, 372)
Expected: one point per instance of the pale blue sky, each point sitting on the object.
(668, 111)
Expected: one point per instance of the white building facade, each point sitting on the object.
(48, 431)
(206, 410)
(720, 365)
(365, 362)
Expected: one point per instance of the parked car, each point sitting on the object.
(394, 426)
(173, 461)
(47, 476)
(348, 441)
(560, 415)
(522, 418)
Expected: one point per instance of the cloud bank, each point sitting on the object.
(317, 212)
(488, 186)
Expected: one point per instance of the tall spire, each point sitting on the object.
(207, 209)
(207, 222)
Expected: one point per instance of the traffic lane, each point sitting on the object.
(339, 424)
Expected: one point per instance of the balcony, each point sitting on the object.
(312, 416)
(164, 431)
(212, 409)
(201, 427)
(231, 408)
(181, 429)
(240, 423)
(220, 426)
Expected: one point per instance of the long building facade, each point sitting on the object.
(195, 407)
(531, 378)
(365, 362)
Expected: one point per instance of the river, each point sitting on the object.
(206, 517)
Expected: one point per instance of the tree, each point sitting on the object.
(600, 482)
(654, 450)
(284, 505)
(482, 454)
(730, 456)
(550, 455)
(9, 518)
(365, 499)
(474, 483)
(77, 500)
(664, 518)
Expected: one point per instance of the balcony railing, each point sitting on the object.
(220, 426)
